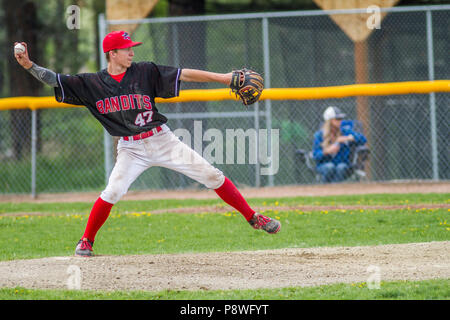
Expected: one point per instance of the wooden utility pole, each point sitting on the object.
(358, 28)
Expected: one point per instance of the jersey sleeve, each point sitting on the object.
(165, 80)
(68, 89)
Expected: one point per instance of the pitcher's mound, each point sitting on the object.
(233, 270)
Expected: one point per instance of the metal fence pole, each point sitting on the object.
(265, 34)
(257, 165)
(33, 152)
(430, 53)
(107, 139)
(178, 107)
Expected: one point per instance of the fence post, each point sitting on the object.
(33, 152)
(265, 34)
(107, 139)
(178, 108)
(433, 126)
(257, 165)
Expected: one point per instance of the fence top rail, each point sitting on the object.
(280, 14)
(310, 93)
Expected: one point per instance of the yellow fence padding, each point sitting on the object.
(375, 89)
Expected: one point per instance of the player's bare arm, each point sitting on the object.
(44, 75)
(193, 75)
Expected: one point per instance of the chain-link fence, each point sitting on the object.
(407, 134)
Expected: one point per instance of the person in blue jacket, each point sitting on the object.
(332, 145)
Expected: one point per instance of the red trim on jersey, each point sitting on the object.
(118, 77)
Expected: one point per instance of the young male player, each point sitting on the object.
(122, 98)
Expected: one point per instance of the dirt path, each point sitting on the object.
(262, 209)
(266, 192)
(224, 209)
(234, 270)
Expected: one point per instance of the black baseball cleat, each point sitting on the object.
(84, 248)
(258, 221)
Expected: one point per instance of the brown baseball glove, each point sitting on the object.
(247, 84)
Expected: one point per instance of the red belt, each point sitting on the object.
(144, 135)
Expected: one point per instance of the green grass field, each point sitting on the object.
(402, 290)
(132, 228)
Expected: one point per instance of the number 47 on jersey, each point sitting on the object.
(143, 118)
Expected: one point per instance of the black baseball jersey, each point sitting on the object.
(124, 108)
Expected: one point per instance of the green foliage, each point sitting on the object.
(66, 50)
(292, 132)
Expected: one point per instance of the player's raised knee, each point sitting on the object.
(113, 195)
(214, 178)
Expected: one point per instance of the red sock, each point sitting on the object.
(99, 214)
(231, 195)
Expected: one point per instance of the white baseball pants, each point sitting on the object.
(163, 149)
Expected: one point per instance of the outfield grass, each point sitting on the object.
(395, 290)
(146, 233)
(133, 229)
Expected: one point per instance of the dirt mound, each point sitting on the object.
(234, 270)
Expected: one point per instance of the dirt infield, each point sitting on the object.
(234, 270)
(266, 192)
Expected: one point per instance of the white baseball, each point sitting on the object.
(19, 48)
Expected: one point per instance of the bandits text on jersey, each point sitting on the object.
(124, 102)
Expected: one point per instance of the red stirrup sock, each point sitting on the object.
(231, 195)
(99, 213)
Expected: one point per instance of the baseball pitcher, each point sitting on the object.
(122, 98)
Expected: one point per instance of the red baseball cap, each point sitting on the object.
(118, 40)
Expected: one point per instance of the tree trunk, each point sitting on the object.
(21, 25)
(98, 7)
(362, 102)
(191, 37)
